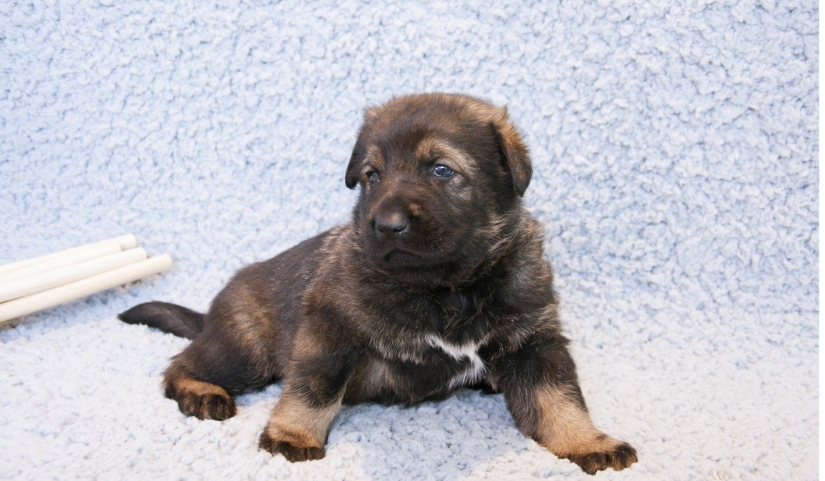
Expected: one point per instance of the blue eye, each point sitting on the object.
(373, 177)
(442, 171)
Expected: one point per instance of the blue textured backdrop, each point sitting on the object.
(676, 164)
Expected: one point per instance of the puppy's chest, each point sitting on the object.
(434, 360)
(427, 366)
(437, 338)
(470, 366)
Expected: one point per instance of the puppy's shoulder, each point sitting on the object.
(335, 278)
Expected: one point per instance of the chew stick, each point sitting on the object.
(91, 285)
(85, 254)
(76, 272)
(126, 242)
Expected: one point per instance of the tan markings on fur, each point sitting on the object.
(369, 379)
(410, 351)
(415, 209)
(248, 315)
(187, 384)
(450, 156)
(565, 428)
(301, 425)
(426, 148)
(486, 112)
(373, 160)
(333, 240)
(378, 375)
(305, 346)
(371, 114)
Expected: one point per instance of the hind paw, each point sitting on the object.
(207, 406)
(202, 400)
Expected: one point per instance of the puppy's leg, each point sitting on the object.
(298, 428)
(543, 394)
(215, 366)
(198, 398)
(243, 346)
(205, 375)
(316, 378)
(564, 427)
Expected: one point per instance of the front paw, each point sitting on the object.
(292, 450)
(618, 457)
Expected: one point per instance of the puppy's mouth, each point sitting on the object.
(402, 257)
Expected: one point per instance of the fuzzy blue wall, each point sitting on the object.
(675, 149)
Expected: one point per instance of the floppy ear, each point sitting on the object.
(514, 153)
(355, 160)
(360, 150)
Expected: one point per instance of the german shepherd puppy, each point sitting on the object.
(438, 282)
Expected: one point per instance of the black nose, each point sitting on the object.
(393, 223)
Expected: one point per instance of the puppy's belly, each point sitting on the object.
(441, 369)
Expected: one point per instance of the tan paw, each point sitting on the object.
(291, 452)
(212, 403)
(618, 457)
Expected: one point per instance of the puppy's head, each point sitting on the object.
(439, 174)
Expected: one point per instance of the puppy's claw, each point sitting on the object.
(618, 458)
(291, 452)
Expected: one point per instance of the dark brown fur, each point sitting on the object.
(438, 282)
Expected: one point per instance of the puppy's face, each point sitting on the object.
(438, 173)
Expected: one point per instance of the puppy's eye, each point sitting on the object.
(373, 177)
(441, 170)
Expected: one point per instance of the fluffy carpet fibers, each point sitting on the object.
(676, 161)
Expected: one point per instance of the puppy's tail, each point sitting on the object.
(170, 318)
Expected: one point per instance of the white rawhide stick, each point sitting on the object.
(76, 272)
(82, 288)
(127, 241)
(83, 254)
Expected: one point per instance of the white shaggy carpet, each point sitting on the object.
(676, 164)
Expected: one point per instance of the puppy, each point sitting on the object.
(438, 282)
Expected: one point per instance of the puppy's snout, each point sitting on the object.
(391, 223)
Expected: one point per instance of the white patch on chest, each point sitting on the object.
(474, 371)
